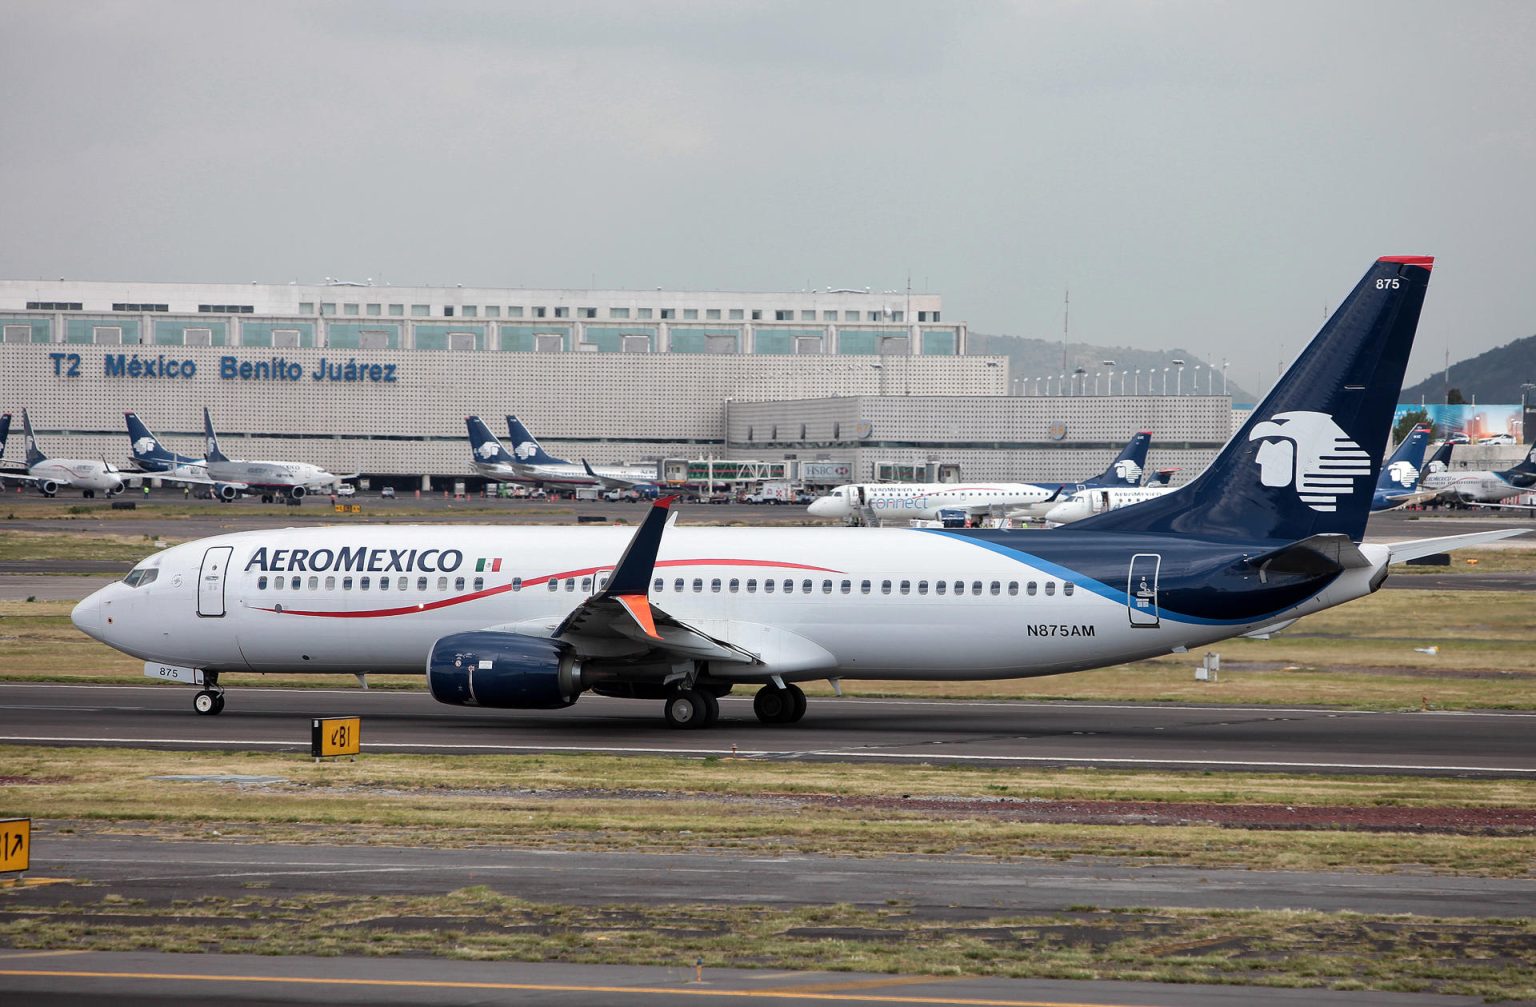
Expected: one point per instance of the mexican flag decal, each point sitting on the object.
(482, 562)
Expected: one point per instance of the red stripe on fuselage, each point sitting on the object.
(428, 606)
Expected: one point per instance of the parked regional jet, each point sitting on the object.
(153, 458)
(49, 475)
(531, 465)
(271, 478)
(1398, 484)
(903, 501)
(523, 618)
(1479, 487)
(1088, 502)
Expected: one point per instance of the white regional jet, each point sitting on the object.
(49, 475)
(270, 478)
(1088, 502)
(520, 618)
(1484, 488)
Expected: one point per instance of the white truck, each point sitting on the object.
(775, 491)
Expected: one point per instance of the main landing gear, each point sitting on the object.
(209, 701)
(692, 709)
(779, 706)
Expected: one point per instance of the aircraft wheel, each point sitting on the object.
(774, 705)
(88, 494)
(218, 704)
(797, 699)
(207, 703)
(711, 707)
(686, 710)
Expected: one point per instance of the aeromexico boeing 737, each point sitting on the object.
(528, 463)
(49, 475)
(903, 501)
(229, 476)
(520, 618)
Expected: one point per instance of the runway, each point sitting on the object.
(1141, 735)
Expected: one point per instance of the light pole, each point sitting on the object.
(1061, 385)
(1095, 381)
(1178, 389)
(1109, 387)
(1080, 384)
(1195, 387)
(1136, 387)
(1165, 379)
(1223, 377)
(1122, 382)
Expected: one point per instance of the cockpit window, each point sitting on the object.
(140, 577)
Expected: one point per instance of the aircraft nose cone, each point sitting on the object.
(87, 616)
(825, 507)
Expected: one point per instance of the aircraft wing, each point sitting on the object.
(607, 482)
(1501, 506)
(1401, 552)
(27, 477)
(192, 480)
(622, 610)
(1416, 496)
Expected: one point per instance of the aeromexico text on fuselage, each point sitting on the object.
(355, 559)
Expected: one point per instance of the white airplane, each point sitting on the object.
(1484, 488)
(529, 463)
(924, 501)
(272, 479)
(49, 475)
(523, 618)
(1088, 502)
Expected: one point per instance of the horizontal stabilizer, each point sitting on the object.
(1402, 552)
(1314, 556)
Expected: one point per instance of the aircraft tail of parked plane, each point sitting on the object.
(149, 454)
(484, 448)
(1316, 438)
(5, 431)
(1127, 468)
(1399, 480)
(1441, 459)
(526, 449)
(34, 454)
(213, 454)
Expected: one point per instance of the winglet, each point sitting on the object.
(588, 466)
(632, 574)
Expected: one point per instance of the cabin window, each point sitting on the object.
(997, 587)
(789, 586)
(1029, 589)
(261, 583)
(346, 583)
(314, 583)
(922, 587)
(751, 585)
(885, 587)
(479, 583)
(806, 587)
(364, 583)
(906, 587)
(458, 583)
(826, 587)
(1068, 588)
(586, 585)
(570, 583)
(1013, 587)
(940, 587)
(330, 583)
(847, 587)
(714, 585)
(442, 583)
(277, 583)
(554, 585)
(677, 585)
(698, 583)
(1050, 588)
(735, 585)
(976, 587)
(768, 586)
(383, 583)
(517, 583)
(294, 583)
(657, 585)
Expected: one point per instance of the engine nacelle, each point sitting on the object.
(47, 487)
(225, 492)
(503, 670)
(296, 492)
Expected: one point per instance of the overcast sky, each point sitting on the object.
(1200, 174)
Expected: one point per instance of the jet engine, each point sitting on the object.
(296, 492)
(47, 487)
(503, 670)
(225, 492)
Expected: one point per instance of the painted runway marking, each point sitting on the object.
(783, 993)
(1048, 760)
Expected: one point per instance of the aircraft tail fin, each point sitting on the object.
(33, 454)
(1127, 468)
(213, 454)
(5, 431)
(1441, 459)
(146, 447)
(1528, 465)
(1401, 473)
(526, 447)
(487, 450)
(1306, 461)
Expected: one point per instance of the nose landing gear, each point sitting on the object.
(210, 700)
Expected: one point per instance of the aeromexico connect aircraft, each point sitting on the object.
(513, 618)
(903, 501)
(49, 475)
(1481, 488)
(528, 463)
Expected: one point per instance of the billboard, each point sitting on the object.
(1477, 422)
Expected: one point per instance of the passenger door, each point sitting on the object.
(210, 582)
(1141, 590)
